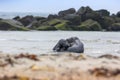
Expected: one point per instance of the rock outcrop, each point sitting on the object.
(115, 27)
(27, 20)
(65, 12)
(118, 14)
(8, 24)
(84, 18)
(90, 25)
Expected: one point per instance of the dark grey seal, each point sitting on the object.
(72, 44)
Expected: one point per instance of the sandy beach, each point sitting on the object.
(67, 66)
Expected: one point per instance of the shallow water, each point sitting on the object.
(39, 42)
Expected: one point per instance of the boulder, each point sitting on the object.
(65, 12)
(106, 21)
(92, 15)
(32, 25)
(117, 19)
(17, 18)
(118, 14)
(72, 44)
(27, 20)
(90, 25)
(58, 24)
(54, 22)
(103, 12)
(73, 18)
(115, 27)
(84, 10)
(8, 24)
(88, 13)
(63, 25)
(38, 18)
(40, 22)
(51, 16)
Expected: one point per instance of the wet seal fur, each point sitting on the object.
(72, 44)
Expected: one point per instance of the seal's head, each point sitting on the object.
(72, 39)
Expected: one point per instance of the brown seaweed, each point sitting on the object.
(105, 72)
(29, 56)
(108, 56)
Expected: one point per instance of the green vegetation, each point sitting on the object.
(90, 25)
(54, 22)
(42, 28)
(62, 26)
(12, 25)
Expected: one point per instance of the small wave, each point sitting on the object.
(3, 39)
(113, 41)
(27, 40)
(19, 40)
(91, 41)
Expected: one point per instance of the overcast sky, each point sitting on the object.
(53, 6)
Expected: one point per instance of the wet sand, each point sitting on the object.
(59, 67)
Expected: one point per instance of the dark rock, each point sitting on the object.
(65, 12)
(40, 18)
(118, 14)
(35, 24)
(88, 13)
(17, 18)
(73, 18)
(90, 25)
(8, 24)
(51, 16)
(72, 44)
(0, 18)
(38, 22)
(103, 12)
(106, 21)
(32, 25)
(92, 15)
(115, 27)
(54, 22)
(116, 19)
(84, 10)
(27, 20)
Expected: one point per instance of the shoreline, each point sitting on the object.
(70, 19)
(65, 66)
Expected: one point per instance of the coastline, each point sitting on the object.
(67, 66)
(83, 19)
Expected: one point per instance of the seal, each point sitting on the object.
(72, 44)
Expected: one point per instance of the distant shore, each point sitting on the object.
(84, 19)
(68, 66)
